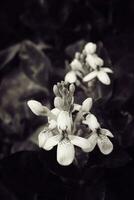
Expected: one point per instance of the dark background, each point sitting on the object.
(36, 38)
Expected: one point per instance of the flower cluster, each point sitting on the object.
(65, 122)
(88, 65)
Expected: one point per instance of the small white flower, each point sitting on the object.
(71, 77)
(93, 61)
(76, 65)
(100, 137)
(101, 74)
(90, 48)
(76, 69)
(65, 149)
(92, 122)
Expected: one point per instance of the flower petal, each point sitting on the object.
(90, 76)
(87, 104)
(106, 132)
(103, 77)
(90, 59)
(79, 141)
(99, 61)
(92, 122)
(37, 108)
(107, 70)
(52, 124)
(92, 140)
(43, 136)
(77, 107)
(55, 111)
(65, 152)
(53, 117)
(90, 48)
(70, 77)
(104, 144)
(52, 141)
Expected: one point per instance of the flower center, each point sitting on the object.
(64, 135)
(98, 68)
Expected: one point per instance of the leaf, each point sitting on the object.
(75, 47)
(36, 65)
(8, 54)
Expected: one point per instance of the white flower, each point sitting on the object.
(92, 122)
(76, 69)
(71, 77)
(93, 61)
(60, 131)
(90, 48)
(65, 148)
(84, 109)
(101, 74)
(76, 65)
(100, 137)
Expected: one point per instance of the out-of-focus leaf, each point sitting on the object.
(16, 88)
(8, 54)
(35, 63)
(23, 146)
(75, 47)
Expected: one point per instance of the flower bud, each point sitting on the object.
(58, 102)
